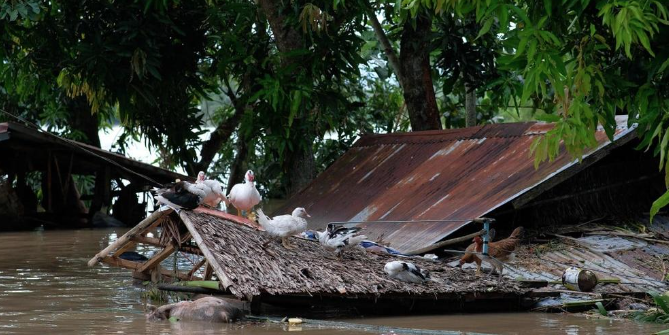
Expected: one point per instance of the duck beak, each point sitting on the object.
(305, 212)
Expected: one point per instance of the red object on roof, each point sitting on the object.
(434, 176)
(229, 217)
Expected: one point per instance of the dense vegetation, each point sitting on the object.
(299, 80)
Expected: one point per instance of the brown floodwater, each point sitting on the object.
(46, 287)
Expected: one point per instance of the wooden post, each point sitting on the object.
(68, 180)
(48, 182)
(208, 271)
(60, 177)
(225, 281)
(128, 236)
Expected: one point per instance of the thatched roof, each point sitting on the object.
(246, 268)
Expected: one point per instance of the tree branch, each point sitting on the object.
(385, 43)
(221, 134)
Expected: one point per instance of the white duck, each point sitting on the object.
(245, 196)
(213, 190)
(407, 272)
(284, 226)
(339, 238)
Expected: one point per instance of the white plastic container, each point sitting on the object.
(577, 279)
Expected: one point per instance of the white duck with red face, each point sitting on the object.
(245, 196)
(213, 190)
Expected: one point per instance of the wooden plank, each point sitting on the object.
(226, 283)
(157, 258)
(120, 262)
(128, 236)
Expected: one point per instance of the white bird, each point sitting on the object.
(283, 226)
(245, 196)
(181, 195)
(407, 272)
(213, 190)
(339, 238)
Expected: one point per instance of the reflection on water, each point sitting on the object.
(46, 287)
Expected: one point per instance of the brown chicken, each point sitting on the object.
(498, 252)
(469, 256)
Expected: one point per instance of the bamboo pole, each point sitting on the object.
(128, 236)
(225, 281)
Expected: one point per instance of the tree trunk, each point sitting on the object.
(299, 163)
(387, 47)
(238, 170)
(82, 119)
(470, 106)
(418, 90)
(302, 169)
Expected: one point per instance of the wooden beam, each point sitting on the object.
(124, 248)
(197, 266)
(128, 236)
(157, 258)
(222, 277)
(445, 243)
(124, 263)
(156, 243)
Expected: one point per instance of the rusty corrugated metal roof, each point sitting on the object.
(432, 175)
(606, 256)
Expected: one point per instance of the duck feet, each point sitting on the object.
(286, 244)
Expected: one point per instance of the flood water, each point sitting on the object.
(46, 287)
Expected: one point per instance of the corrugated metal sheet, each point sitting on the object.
(433, 175)
(14, 136)
(634, 277)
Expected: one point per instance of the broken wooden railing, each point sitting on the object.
(170, 240)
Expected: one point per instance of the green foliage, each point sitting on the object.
(146, 64)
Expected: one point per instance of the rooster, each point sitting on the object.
(498, 252)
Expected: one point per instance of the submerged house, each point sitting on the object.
(38, 163)
(411, 191)
(414, 189)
